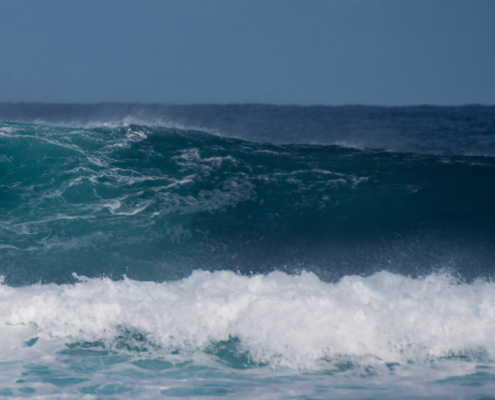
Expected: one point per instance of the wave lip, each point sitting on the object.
(463, 130)
(283, 320)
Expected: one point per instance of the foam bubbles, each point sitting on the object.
(287, 321)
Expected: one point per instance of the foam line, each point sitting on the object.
(290, 321)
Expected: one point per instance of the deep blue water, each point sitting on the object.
(310, 251)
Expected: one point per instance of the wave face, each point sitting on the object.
(150, 250)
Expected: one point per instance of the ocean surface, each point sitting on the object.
(247, 251)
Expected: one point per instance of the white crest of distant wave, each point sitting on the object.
(128, 121)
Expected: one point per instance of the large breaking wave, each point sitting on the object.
(157, 203)
(247, 251)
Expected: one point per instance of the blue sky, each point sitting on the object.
(377, 52)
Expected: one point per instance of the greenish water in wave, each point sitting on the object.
(157, 203)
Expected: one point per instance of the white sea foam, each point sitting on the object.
(288, 321)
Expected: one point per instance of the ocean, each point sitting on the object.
(247, 251)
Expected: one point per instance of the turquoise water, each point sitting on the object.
(207, 251)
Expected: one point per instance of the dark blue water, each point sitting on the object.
(372, 228)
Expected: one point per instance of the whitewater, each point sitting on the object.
(247, 252)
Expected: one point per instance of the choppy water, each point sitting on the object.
(247, 251)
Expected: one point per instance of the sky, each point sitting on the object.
(306, 52)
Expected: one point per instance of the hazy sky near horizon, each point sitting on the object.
(374, 52)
